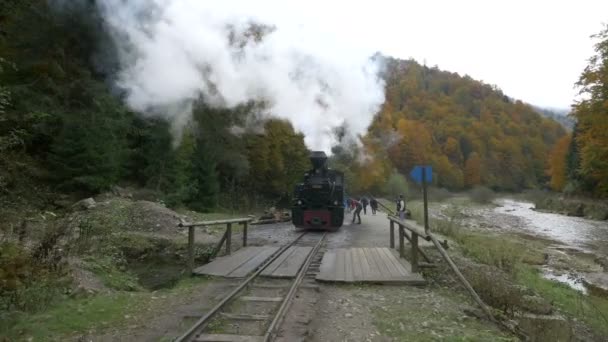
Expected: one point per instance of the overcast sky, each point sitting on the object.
(533, 50)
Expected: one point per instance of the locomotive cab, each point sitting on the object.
(318, 200)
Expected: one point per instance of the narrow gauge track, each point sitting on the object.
(266, 301)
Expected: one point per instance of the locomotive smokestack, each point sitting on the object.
(318, 160)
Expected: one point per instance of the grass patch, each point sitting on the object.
(590, 309)
(94, 314)
(111, 274)
(77, 316)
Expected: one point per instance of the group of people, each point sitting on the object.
(357, 205)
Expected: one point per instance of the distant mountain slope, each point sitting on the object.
(470, 132)
(559, 115)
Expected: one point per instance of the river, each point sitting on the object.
(577, 235)
(587, 235)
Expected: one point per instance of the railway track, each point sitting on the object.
(255, 309)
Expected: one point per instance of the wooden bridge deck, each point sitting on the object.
(248, 259)
(366, 265)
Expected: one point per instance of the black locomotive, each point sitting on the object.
(319, 201)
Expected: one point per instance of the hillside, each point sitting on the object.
(470, 132)
(559, 115)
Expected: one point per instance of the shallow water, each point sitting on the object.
(575, 233)
(586, 235)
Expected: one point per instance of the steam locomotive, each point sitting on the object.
(319, 200)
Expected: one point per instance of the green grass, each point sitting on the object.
(94, 314)
(112, 277)
(590, 309)
(79, 315)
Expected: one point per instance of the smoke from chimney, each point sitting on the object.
(231, 52)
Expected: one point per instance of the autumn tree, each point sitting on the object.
(472, 170)
(557, 163)
(592, 116)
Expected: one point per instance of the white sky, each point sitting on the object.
(533, 50)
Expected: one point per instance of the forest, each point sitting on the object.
(64, 128)
(470, 132)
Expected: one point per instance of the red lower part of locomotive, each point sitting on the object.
(319, 219)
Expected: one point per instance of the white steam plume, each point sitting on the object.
(174, 52)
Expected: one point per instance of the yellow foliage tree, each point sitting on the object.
(557, 163)
(472, 170)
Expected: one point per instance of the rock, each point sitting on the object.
(348, 315)
(597, 283)
(536, 305)
(121, 192)
(545, 328)
(602, 261)
(85, 204)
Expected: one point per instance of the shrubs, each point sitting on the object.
(26, 282)
(482, 195)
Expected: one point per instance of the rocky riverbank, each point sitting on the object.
(588, 208)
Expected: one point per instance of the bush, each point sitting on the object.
(396, 185)
(482, 195)
(438, 194)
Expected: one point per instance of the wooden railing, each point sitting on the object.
(415, 232)
(226, 238)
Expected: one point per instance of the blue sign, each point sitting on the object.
(416, 174)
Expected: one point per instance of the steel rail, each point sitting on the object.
(292, 291)
(200, 324)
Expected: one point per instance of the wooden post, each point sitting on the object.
(392, 234)
(228, 238)
(401, 242)
(425, 200)
(408, 238)
(219, 245)
(414, 252)
(190, 250)
(245, 224)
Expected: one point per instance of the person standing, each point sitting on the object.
(401, 207)
(373, 203)
(357, 212)
(364, 202)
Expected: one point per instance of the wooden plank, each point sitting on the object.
(260, 299)
(328, 266)
(365, 269)
(349, 265)
(392, 239)
(226, 264)
(269, 286)
(340, 266)
(275, 264)
(385, 273)
(354, 257)
(216, 222)
(253, 263)
(392, 271)
(289, 267)
(243, 317)
(228, 338)
(374, 267)
(398, 266)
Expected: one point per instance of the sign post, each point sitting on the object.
(426, 203)
(423, 175)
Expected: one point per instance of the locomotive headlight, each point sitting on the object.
(335, 202)
(299, 202)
